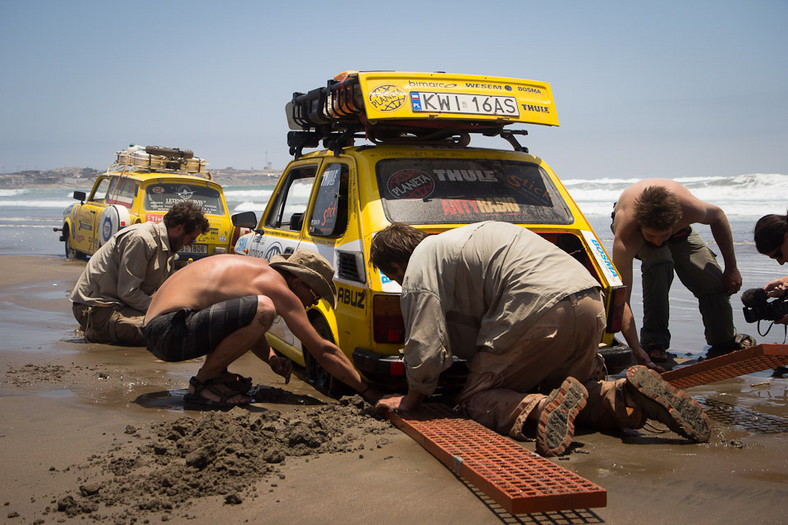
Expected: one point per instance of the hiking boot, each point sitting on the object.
(556, 424)
(739, 342)
(659, 400)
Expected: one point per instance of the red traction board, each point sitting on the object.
(515, 478)
(740, 362)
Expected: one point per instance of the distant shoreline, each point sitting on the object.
(16, 182)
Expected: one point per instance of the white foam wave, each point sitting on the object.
(35, 203)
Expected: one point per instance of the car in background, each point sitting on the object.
(140, 186)
(417, 168)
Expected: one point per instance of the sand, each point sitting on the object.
(97, 433)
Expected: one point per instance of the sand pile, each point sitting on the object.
(166, 466)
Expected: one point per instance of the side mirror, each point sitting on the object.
(246, 219)
(80, 196)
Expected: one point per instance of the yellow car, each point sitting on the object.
(418, 169)
(141, 185)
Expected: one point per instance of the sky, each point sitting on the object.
(642, 89)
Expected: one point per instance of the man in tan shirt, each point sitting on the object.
(528, 318)
(113, 293)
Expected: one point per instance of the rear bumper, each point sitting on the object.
(390, 370)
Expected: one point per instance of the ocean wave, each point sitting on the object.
(35, 203)
(748, 195)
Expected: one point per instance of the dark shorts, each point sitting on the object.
(187, 334)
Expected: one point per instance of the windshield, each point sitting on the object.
(451, 191)
(161, 197)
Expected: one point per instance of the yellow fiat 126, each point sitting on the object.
(142, 185)
(412, 164)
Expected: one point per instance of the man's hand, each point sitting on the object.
(391, 402)
(731, 278)
(643, 359)
(282, 366)
(777, 287)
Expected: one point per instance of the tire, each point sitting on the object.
(316, 375)
(71, 253)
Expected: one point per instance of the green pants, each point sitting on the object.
(119, 325)
(697, 268)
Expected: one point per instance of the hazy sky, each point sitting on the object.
(642, 89)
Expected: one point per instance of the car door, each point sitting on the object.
(86, 219)
(281, 227)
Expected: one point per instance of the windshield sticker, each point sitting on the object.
(410, 184)
(502, 205)
(466, 175)
(534, 191)
(185, 192)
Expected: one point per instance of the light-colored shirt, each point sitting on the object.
(128, 269)
(479, 288)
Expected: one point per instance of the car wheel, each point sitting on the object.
(71, 253)
(316, 375)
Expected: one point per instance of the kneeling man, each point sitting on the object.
(222, 306)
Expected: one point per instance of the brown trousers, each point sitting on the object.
(502, 389)
(119, 325)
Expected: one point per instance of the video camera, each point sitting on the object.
(757, 307)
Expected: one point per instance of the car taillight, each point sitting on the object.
(618, 297)
(236, 235)
(387, 322)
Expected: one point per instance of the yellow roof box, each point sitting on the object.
(415, 96)
(366, 98)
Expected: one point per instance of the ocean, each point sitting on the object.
(28, 216)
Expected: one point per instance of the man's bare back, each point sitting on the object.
(215, 279)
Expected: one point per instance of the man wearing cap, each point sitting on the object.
(222, 306)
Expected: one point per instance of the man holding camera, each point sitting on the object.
(771, 239)
(652, 221)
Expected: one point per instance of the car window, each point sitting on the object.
(287, 211)
(161, 196)
(329, 214)
(452, 191)
(123, 192)
(101, 191)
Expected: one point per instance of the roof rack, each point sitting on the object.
(433, 108)
(158, 158)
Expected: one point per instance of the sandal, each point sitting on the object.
(213, 386)
(236, 382)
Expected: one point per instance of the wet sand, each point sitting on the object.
(98, 433)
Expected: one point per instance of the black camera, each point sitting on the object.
(757, 307)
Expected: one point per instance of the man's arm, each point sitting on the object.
(280, 365)
(721, 231)
(327, 354)
(426, 350)
(777, 288)
(623, 256)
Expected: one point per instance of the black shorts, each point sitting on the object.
(187, 333)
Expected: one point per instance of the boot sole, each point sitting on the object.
(556, 424)
(685, 414)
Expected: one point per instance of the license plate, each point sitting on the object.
(194, 248)
(426, 102)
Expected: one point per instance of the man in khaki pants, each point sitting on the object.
(528, 318)
(113, 293)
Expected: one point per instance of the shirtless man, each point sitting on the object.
(222, 306)
(652, 221)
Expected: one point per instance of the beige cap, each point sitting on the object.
(313, 269)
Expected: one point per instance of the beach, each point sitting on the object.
(99, 433)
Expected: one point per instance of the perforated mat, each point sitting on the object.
(515, 478)
(740, 362)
